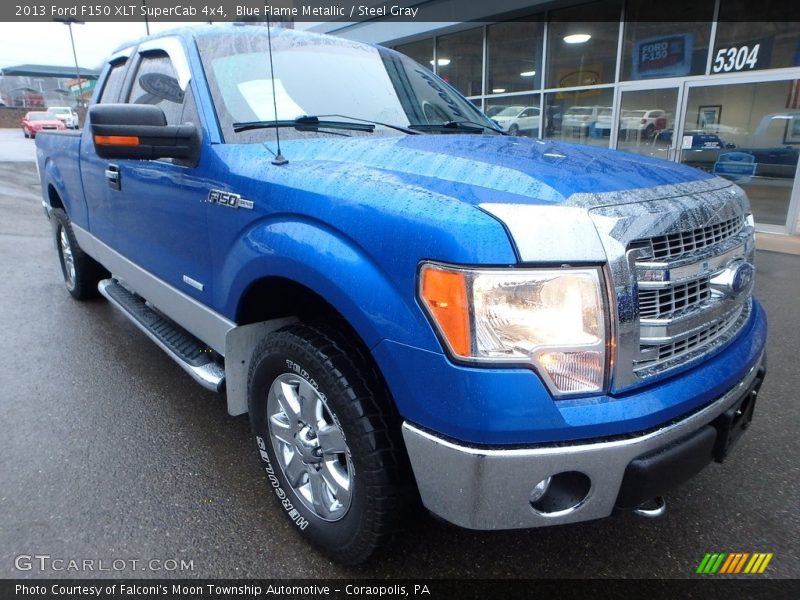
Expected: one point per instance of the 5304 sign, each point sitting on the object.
(745, 57)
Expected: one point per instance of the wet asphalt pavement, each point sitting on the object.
(109, 451)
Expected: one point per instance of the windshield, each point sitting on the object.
(511, 111)
(41, 116)
(579, 110)
(630, 114)
(319, 76)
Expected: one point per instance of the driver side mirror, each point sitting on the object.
(140, 131)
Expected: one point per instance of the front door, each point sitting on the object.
(162, 203)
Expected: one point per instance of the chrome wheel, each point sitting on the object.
(67, 259)
(310, 447)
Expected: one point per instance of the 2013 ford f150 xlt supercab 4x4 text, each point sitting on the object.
(409, 303)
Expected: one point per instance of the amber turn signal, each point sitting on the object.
(445, 295)
(116, 140)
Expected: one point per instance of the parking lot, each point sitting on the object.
(109, 451)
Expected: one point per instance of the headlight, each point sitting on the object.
(553, 319)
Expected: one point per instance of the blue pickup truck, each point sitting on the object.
(410, 304)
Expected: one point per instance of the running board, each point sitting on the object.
(192, 355)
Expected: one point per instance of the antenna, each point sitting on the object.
(279, 158)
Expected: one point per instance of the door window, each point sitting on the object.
(113, 83)
(748, 133)
(646, 121)
(156, 83)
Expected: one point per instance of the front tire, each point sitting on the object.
(81, 272)
(328, 440)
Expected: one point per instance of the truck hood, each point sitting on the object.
(490, 168)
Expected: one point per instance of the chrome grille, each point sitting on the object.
(683, 309)
(675, 244)
(673, 301)
(673, 255)
(666, 355)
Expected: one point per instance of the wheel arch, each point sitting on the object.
(275, 297)
(302, 269)
(273, 302)
(54, 198)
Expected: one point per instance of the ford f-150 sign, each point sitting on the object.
(410, 304)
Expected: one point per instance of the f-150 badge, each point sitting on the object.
(229, 199)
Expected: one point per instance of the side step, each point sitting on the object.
(190, 353)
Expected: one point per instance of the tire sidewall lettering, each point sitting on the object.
(295, 516)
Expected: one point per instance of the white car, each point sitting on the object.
(579, 119)
(643, 122)
(519, 119)
(67, 116)
(602, 126)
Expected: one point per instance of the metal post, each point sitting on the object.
(146, 22)
(68, 23)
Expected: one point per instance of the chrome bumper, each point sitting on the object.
(481, 488)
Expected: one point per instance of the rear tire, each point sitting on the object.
(81, 272)
(329, 441)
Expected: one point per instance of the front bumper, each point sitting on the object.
(481, 488)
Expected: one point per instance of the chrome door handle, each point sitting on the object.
(113, 176)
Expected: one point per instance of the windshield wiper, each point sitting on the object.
(456, 127)
(305, 123)
(389, 125)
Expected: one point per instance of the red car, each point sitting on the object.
(34, 122)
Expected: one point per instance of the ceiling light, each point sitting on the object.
(527, 74)
(498, 90)
(577, 38)
(442, 62)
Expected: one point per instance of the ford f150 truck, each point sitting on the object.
(409, 303)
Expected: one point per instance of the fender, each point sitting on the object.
(51, 177)
(325, 261)
(67, 184)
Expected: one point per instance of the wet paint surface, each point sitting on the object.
(352, 217)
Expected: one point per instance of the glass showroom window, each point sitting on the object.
(421, 52)
(459, 60)
(518, 115)
(744, 132)
(654, 49)
(582, 116)
(749, 38)
(583, 52)
(514, 55)
(647, 121)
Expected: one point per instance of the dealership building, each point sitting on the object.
(719, 90)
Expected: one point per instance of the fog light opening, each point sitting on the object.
(560, 494)
(540, 489)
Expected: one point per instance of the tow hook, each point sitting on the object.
(652, 509)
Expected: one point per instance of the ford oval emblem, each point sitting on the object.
(741, 277)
